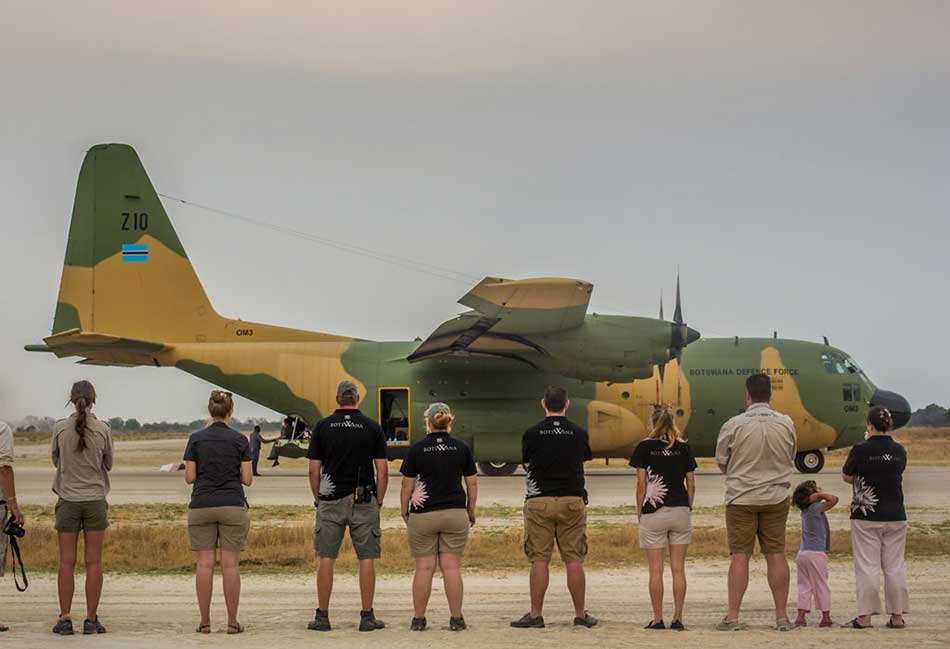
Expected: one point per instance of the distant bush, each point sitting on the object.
(931, 416)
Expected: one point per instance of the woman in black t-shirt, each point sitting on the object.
(217, 464)
(875, 470)
(437, 512)
(665, 466)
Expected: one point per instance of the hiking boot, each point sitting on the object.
(321, 621)
(90, 627)
(587, 621)
(418, 624)
(457, 624)
(677, 625)
(528, 622)
(655, 626)
(368, 621)
(63, 627)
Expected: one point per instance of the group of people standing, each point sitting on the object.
(349, 475)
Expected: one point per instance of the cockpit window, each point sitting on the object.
(836, 363)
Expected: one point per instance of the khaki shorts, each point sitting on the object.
(74, 517)
(443, 531)
(666, 526)
(334, 516)
(210, 527)
(767, 522)
(550, 519)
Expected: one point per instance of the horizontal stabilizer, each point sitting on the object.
(101, 349)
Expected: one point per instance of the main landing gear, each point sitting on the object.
(810, 461)
(497, 469)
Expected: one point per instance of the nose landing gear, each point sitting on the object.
(810, 461)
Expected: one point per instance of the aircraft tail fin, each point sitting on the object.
(127, 277)
(126, 272)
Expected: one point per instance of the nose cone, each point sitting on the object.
(898, 405)
(692, 335)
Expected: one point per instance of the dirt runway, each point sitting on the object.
(160, 612)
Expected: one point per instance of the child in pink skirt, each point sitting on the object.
(812, 559)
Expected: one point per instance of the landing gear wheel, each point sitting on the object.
(810, 461)
(497, 469)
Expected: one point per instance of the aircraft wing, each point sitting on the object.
(503, 312)
(100, 349)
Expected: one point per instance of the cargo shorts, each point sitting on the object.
(549, 520)
(332, 519)
(75, 517)
(745, 523)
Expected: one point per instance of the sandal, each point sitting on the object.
(854, 624)
(203, 628)
(890, 625)
(4, 628)
(235, 628)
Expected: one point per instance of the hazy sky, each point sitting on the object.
(791, 158)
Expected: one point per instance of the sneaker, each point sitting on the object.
(418, 624)
(528, 622)
(457, 624)
(730, 625)
(677, 625)
(90, 627)
(587, 621)
(368, 621)
(63, 627)
(321, 621)
(655, 626)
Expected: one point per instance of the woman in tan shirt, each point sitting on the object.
(82, 454)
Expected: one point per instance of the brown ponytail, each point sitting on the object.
(82, 396)
(880, 419)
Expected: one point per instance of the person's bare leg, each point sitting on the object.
(66, 578)
(738, 583)
(778, 574)
(325, 583)
(422, 584)
(367, 583)
(231, 576)
(93, 558)
(678, 568)
(451, 565)
(655, 564)
(577, 586)
(538, 585)
(204, 583)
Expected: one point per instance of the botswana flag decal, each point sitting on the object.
(134, 252)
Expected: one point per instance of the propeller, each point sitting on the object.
(682, 335)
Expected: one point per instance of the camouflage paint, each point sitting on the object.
(525, 335)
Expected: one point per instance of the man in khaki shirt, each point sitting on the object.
(756, 452)
(8, 502)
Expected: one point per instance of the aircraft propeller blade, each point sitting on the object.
(678, 312)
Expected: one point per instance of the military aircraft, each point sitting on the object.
(129, 297)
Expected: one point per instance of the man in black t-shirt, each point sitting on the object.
(555, 511)
(349, 473)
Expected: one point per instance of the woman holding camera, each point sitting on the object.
(217, 464)
(82, 453)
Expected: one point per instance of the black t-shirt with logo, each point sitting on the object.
(666, 473)
(553, 453)
(877, 466)
(346, 443)
(438, 464)
(217, 452)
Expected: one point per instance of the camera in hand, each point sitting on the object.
(13, 529)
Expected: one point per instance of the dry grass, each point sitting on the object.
(161, 545)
